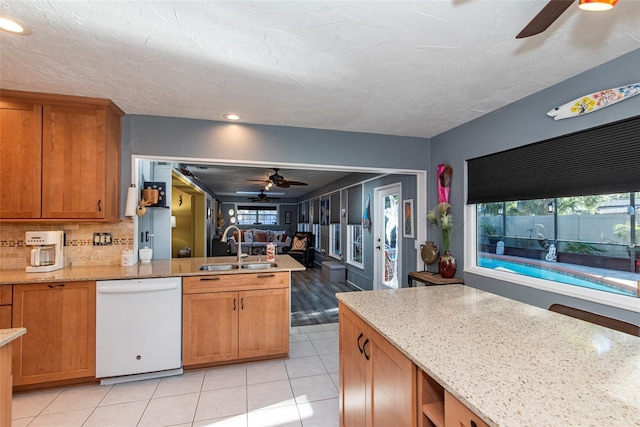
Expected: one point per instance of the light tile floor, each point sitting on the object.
(299, 391)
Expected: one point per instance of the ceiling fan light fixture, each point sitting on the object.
(13, 26)
(597, 5)
(232, 116)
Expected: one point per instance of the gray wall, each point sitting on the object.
(521, 123)
(179, 138)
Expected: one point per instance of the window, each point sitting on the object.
(334, 241)
(252, 215)
(586, 241)
(316, 233)
(354, 245)
(304, 227)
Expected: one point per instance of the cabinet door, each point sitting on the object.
(73, 166)
(393, 399)
(353, 371)
(456, 414)
(60, 343)
(6, 384)
(20, 159)
(5, 316)
(209, 327)
(263, 323)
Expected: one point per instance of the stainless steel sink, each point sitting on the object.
(258, 265)
(216, 267)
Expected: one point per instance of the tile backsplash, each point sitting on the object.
(79, 249)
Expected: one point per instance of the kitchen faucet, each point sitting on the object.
(224, 240)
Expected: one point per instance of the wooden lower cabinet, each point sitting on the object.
(377, 382)
(439, 408)
(6, 385)
(6, 298)
(60, 343)
(458, 415)
(234, 317)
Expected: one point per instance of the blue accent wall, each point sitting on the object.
(521, 123)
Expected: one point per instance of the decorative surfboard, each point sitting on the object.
(595, 101)
(366, 218)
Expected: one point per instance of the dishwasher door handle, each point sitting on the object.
(129, 288)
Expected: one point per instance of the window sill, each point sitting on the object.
(600, 297)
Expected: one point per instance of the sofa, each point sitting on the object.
(255, 241)
(302, 248)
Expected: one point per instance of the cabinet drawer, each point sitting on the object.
(6, 294)
(225, 282)
(458, 415)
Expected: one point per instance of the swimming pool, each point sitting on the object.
(548, 274)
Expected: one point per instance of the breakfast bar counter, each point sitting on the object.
(511, 363)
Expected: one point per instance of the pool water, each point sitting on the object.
(556, 276)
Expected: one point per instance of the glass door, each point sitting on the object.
(387, 248)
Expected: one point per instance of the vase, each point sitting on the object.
(429, 252)
(447, 265)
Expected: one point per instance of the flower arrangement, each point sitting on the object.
(441, 218)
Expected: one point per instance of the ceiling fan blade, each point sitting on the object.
(545, 18)
(296, 183)
(282, 183)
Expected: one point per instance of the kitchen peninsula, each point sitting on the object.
(250, 302)
(503, 362)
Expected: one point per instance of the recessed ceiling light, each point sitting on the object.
(232, 116)
(13, 26)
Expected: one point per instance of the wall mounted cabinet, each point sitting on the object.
(59, 158)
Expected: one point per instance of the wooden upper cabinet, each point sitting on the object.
(20, 158)
(74, 158)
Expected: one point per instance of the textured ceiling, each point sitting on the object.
(394, 67)
(398, 68)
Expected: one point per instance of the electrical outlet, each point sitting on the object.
(102, 239)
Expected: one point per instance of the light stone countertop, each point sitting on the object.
(511, 363)
(156, 268)
(8, 335)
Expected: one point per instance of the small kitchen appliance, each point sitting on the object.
(47, 254)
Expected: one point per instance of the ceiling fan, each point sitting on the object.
(552, 11)
(279, 180)
(261, 197)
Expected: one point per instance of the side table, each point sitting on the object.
(430, 278)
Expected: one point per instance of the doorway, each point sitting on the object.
(387, 254)
(188, 207)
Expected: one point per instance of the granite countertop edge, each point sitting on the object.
(182, 267)
(8, 335)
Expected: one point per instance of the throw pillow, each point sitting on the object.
(287, 242)
(299, 244)
(247, 236)
(259, 236)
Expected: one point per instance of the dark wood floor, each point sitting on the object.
(313, 299)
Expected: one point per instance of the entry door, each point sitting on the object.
(387, 243)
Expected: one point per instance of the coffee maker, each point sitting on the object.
(47, 254)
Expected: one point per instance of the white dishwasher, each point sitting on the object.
(138, 329)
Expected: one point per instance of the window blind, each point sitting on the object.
(600, 160)
(303, 213)
(354, 205)
(316, 211)
(334, 206)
